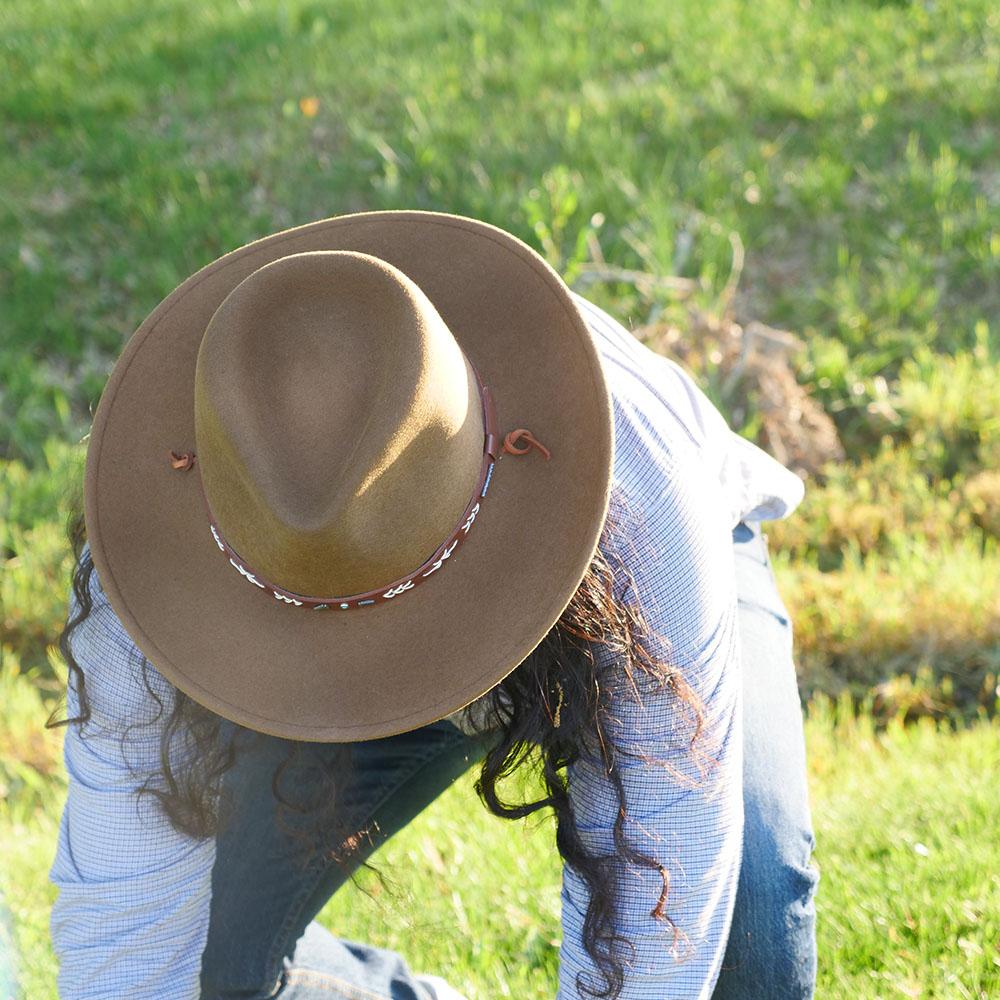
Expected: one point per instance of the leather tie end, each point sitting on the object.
(510, 443)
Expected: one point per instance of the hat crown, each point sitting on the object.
(338, 424)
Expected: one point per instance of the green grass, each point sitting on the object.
(850, 147)
(905, 819)
(826, 167)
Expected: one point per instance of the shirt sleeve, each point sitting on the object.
(683, 811)
(131, 915)
(757, 486)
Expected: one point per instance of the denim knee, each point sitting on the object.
(772, 943)
(778, 856)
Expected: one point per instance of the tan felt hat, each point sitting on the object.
(345, 478)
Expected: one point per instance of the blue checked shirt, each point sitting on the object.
(132, 911)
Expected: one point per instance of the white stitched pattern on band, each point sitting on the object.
(444, 555)
(248, 575)
(398, 590)
(472, 517)
(218, 541)
(287, 600)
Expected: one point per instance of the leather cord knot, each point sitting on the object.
(510, 443)
(185, 460)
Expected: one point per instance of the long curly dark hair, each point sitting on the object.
(556, 706)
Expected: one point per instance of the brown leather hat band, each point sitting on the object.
(492, 452)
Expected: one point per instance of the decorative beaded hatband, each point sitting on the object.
(492, 450)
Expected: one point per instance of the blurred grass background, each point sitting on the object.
(797, 200)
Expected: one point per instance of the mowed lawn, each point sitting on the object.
(908, 904)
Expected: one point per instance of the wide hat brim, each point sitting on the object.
(364, 673)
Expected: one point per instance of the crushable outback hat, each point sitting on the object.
(345, 478)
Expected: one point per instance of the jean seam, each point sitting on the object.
(757, 606)
(325, 860)
(781, 612)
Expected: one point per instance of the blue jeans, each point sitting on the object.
(262, 937)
